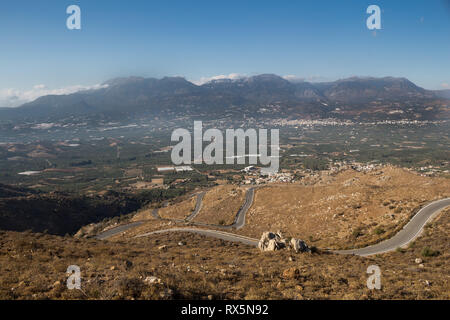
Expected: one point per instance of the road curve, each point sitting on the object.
(198, 206)
(409, 232)
(209, 233)
(239, 219)
(111, 232)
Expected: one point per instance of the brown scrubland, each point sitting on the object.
(186, 266)
(343, 210)
(350, 209)
(221, 204)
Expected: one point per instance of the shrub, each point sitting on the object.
(401, 250)
(428, 226)
(357, 232)
(379, 230)
(428, 252)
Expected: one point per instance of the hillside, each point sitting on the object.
(60, 213)
(7, 191)
(33, 266)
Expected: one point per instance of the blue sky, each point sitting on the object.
(319, 40)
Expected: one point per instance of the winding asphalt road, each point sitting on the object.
(209, 233)
(408, 234)
(198, 206)
(239, 219)
(111, 232)
(117, 230)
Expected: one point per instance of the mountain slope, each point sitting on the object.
(443, 93)
(171, 96)
(366, 89)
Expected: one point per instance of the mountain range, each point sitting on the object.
(276, 96)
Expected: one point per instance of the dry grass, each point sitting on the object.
(33, 266)
(347, 210)
(221, 204)
(179, 210)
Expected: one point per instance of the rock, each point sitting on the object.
(421, 265)
(274, 241)
(112, 268)
(152, 280)
(56, 284)
(162, 248)
(299, 245)
(85, 231)
(273, 245)
(210, 297)
(418, 260)
(79, 234)
(291, 273)
(181, 243)
(271, 241)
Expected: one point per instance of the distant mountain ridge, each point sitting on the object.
(176, 95)
(443, 93)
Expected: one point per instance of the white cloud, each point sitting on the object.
(15, 97)
(236, 76)
(294, 78)
(232, 76)
(445, 85)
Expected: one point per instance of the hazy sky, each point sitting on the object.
(317, 40)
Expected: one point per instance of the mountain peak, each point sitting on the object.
(176, 94)
(123, 80)
(267, 77)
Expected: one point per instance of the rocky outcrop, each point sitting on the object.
(299, 245)
(271, 241)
